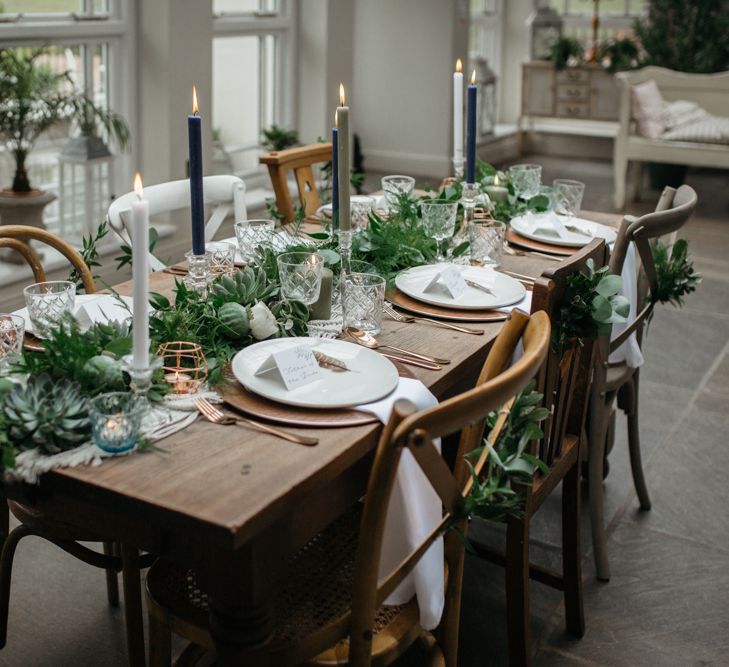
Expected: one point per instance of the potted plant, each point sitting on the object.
(685, 37)
(33, 99)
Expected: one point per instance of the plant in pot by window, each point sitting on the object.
(277, 138)
(619, 54)
(566, 52)
(685, 37)
(33, 99)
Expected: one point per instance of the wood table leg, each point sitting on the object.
(133, 604)
(241, 614)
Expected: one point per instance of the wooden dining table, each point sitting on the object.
(235, 503)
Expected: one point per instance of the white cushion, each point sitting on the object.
(648, 109)
(680, 112)
(708, 130)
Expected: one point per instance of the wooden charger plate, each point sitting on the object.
(523, 242)
(239, 398)
(397, 298)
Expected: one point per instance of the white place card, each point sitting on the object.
(101, 310)
(450, 277)
(551, 223)
(297, 366)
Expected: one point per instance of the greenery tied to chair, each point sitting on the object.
(675, 274)
(494, 494)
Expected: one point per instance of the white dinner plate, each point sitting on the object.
(371, 377)
(281, 240)
(506, 290)
(108, 307)
(537, 228)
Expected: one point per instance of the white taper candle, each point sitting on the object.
(140, 276)
(458, 112)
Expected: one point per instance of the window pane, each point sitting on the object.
(243, 6)
(237, 97)
(43, 6)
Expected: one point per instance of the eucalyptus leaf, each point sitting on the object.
(609, 285)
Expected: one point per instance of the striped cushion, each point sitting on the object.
(709, 130)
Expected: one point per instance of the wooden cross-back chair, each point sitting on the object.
(299, 160)
(564, 382)
(377, 634)
(16, 237)
(40, 520)
(674, 210)
(227, 193)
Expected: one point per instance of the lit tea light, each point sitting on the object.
(182, 383)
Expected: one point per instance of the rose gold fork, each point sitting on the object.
(211, 413)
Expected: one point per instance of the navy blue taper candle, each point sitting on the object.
(471, 131)
(197, 203)
(335, 177)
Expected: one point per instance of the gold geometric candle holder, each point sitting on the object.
(184, 366)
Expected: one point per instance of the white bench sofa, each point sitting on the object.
(710, 91)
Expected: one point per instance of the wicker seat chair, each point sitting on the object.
(330, 610)
(40, 519)
(620, 381)
(300, 160)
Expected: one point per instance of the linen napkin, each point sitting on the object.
(414, 511)
(629, 352)
(547, 223)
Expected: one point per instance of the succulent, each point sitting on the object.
(49, 415)
(235, 320)
(246, 287)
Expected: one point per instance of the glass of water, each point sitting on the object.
(567, 195)
(251, 234)
(363, 299)
(526, 179)
(47, 304)
(300, 276)
(395, 186)
(487, 241)
(360, 207)
(439, 222)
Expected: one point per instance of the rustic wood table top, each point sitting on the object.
(227, 498)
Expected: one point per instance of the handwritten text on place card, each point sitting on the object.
(296, 365)
(452, 280)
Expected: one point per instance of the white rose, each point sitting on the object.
(263, 323)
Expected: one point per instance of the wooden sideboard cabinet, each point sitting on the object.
(587, 92)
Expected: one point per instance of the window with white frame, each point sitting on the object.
(615, 16)
(484, 40)
(89, 41)
(252, 78)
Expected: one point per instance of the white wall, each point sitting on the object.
(174, 53)
(515, 52)
(404, 55)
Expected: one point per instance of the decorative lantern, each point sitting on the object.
(486, 80)
(85, 185)
(545, 25)
(184, 366)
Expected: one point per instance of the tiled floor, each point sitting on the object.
(667, 601)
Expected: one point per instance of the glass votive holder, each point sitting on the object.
(199, 272)
(222, 258)
(526, 179)
(395, 186)
(12, 331)
(48, 302)
(360, 207)
(116, 418)
(252, 234)
(300, 276)
(487, 241)
(567, 196)
(363, 299)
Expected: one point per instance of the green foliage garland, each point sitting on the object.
(197, 319)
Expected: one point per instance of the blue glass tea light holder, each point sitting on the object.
(116, 419)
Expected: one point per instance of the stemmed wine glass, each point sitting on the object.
(439, 221)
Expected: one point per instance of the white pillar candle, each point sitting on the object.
(345, 223)
(140, 276)
(458, 112)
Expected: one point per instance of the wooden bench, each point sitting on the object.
(710, 91)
